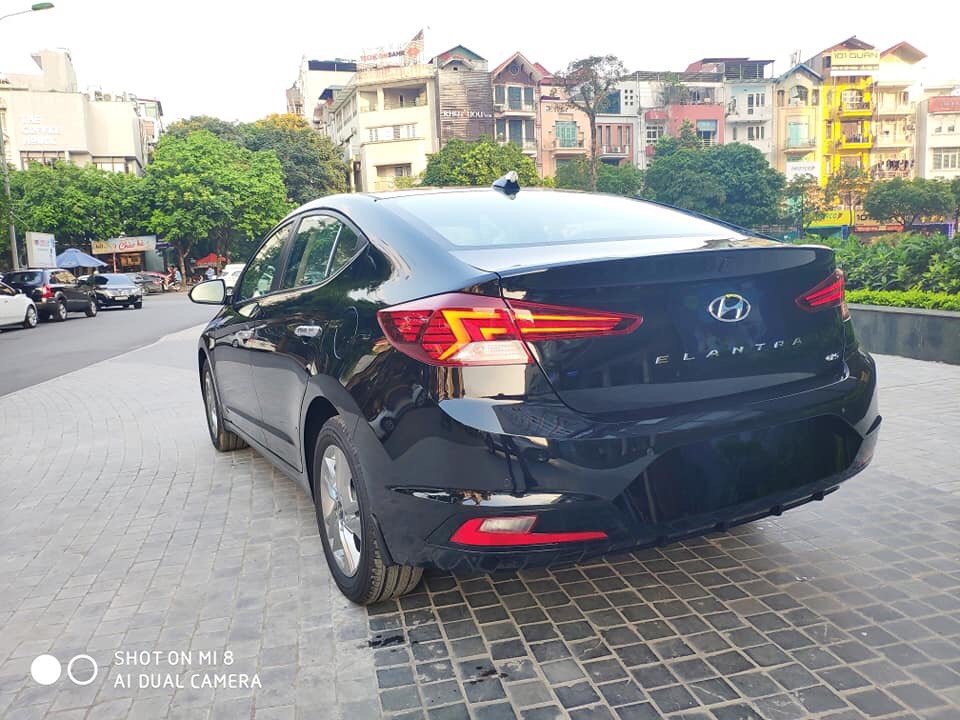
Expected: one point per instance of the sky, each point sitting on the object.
(235, 59)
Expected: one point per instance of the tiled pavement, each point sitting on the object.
(122, 530)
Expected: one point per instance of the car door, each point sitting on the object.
(233, 336)
(294, 337)
(9, 308)
(66, 283)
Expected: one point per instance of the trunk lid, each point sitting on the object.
(682, 354)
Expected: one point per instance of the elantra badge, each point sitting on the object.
(729, 308)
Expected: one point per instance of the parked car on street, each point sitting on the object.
(583, 373)
(149, 282)
(55, 292)
(115, 290)
(230, 274)
(16, 308)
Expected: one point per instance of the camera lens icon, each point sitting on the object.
(46, 669)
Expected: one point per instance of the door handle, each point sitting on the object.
(307, 331)
(244, 335)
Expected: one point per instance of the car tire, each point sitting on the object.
(355, 560)
(30, 319)
(138, 305)
(92, 308)
(60, 313)
(222, 439)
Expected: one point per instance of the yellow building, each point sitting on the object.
(799, 149)
(848, 70)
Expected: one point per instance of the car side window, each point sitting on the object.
(6, 290)
(260, 271)
(348, 242)
(311, 251)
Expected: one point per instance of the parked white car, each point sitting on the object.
(16, 308)
(230, 274)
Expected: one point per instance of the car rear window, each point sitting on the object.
(491, 219)
(23, 278)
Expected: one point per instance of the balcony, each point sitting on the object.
(525, 109)
(855, 142)
(860, 108)
(569, 145)
(894, 110)
(615, 150)
(893, 140)
(758, 113)
(394, 104)
(890, 174)
(527, 146)
(800, 144)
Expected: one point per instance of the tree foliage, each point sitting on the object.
(589, 83)
(804, 202)
(75, 204)
(731, 182)
(478, 163)
(200, 187)
(848, 186)
(223, 129)
(620, 180)
(906, 201)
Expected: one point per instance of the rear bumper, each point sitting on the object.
(643, 483)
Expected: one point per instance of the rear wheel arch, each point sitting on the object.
(319, 411)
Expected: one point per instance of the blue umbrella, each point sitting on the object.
(73, 258)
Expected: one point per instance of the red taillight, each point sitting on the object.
(460, 329)
(515, 530)
(46, 292)
(825, 295)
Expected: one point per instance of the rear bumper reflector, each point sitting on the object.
(513, 531)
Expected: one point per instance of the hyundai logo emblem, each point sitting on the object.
(729, 308)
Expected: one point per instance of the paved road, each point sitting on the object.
(54, 349)
(123, 530)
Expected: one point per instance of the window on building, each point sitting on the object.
(619, 134)
(629, 97)
(799, 95)
(707, 131)
(112, 164)
(608, 129)
(393, 132)
(515, 97)
(755, 100)
(528, 98)
(566, 133)
(43, 157)
(515, 130)
(756, 132)
(654, 133)
(528, 132)
(815, 96)
(734, 133)
(501, 130)
(946, 158)
(499, 94)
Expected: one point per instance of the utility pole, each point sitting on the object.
(6, 192)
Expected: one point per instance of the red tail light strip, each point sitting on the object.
(825, 295)
(460, 329)
(471, 533)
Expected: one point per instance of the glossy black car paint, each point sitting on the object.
(114, 290)
(442, 445)
(63, 285)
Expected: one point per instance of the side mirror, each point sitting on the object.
(211, 292)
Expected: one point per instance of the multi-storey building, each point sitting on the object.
(938, 137)
(516, 105)
(385, 120)
(314, 77)
(895, 97)
(618, 129)
(465, 95)
(848, 70)
(565, 129)
(44, 119)
(748, 93)
(799, 124)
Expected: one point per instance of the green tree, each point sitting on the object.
(478, 163)
(804, 202)
(905, 201)
(848, 187)
(730, 182)
(687, 139)
(312, 165)
(589, 83)
(618, 180)
(955, 190)
(223, 129)
(200, 188)
(75, 204)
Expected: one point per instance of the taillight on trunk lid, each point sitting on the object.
(825, 295)
(460, 329)
(46, 292)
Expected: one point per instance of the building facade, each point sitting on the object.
(938, 137)
(517, 91)
(45, 119)
(565, 129)
(895, 104)
(798, 121)
(464, 95)
(315, 76)
(386, 122)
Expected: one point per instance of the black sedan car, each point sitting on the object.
(55, 292)
(476, 379)
(115, 290)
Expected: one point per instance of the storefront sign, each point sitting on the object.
(41, 250)
(798, 169)
(944, 104)
(465, 114)
(856, 60)
(140, 243)
(34, 132)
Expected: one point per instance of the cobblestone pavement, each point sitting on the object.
(122, 530)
